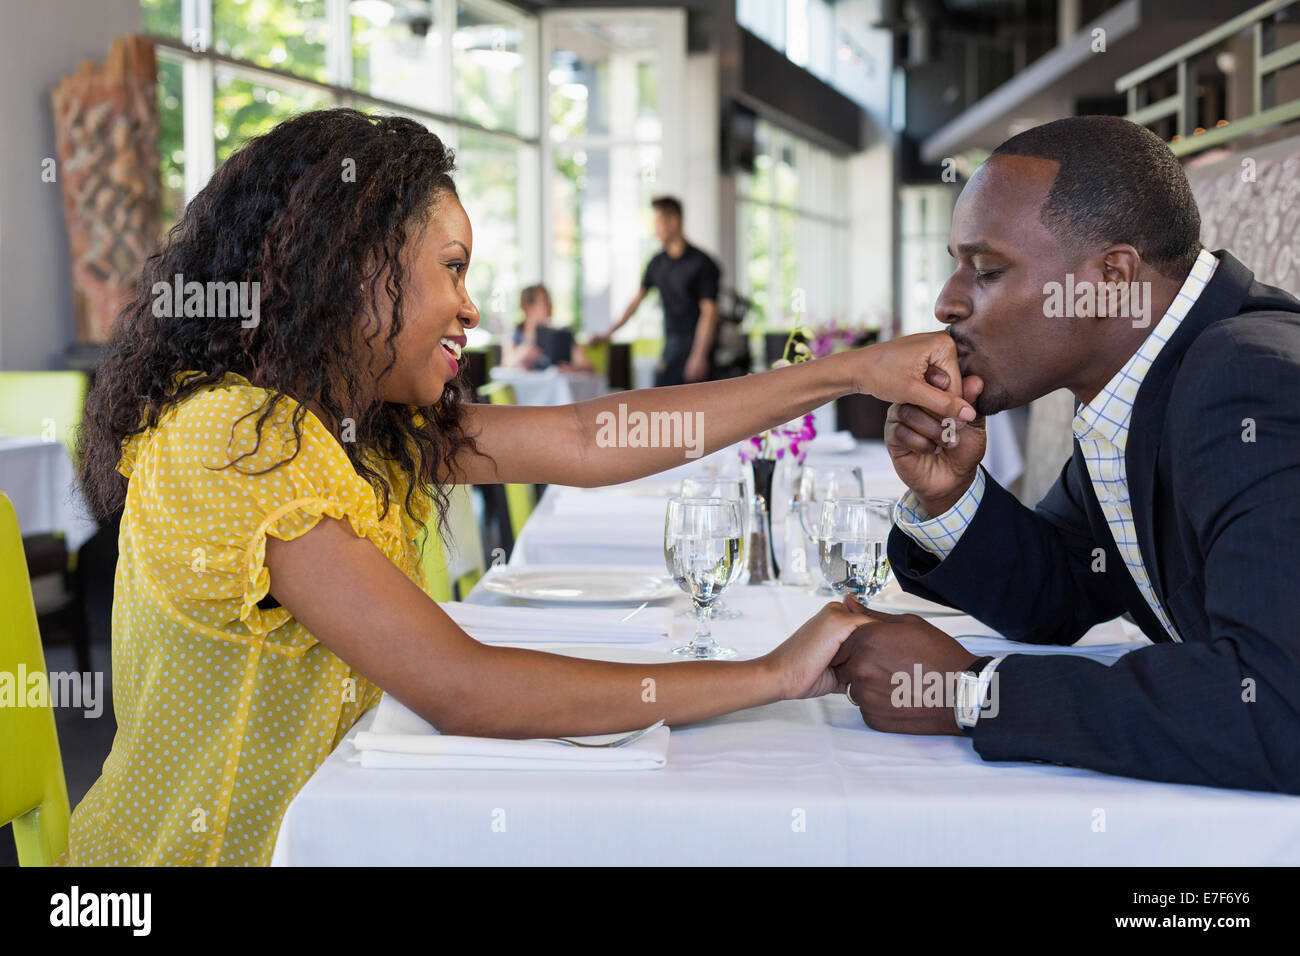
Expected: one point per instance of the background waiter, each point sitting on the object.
(687, 280)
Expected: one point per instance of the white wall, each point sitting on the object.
(701, 133)
(871, 263)
(40, 42)
(872, 190)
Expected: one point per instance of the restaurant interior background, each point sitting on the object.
(817, 147)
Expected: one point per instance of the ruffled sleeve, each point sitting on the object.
(208, 493)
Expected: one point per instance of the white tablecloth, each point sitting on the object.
(796, 782)
(37, 476)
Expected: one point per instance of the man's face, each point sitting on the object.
(993, 304)
(667, 225)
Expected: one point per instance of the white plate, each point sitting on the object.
(574, 584)
(643, 487)
(616, 655)
(894, 600)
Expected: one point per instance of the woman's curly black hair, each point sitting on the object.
(316, 211)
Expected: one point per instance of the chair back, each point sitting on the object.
(43, 403)
(33, 792)
(598, 355)
(457, 562)
(498, 392)
(520, 499)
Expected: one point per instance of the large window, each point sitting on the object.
(612, 145)
(925, 213)
(793, 232)
(231, 69)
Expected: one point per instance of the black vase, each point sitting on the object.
(764, 471)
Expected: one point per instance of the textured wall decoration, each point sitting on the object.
(1250, 205)
(106, 126)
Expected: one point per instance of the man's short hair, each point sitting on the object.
(531, 294)
(668, 205)
(1117, 182)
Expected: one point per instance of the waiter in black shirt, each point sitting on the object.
(687, 280)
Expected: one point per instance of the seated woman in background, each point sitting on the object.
(536, 344)
(276, 471)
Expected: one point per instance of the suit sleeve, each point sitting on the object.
(1222, 711)
(1026, 574)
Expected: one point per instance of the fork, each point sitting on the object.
(620, 742)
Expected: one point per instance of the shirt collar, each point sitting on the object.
(1107, 415)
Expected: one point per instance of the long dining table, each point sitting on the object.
(798, 782)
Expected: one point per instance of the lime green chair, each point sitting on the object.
(33, 792)
(598, 355)
(520, 499)
(648, 348)
(498, 393)
(40, 403)
(463, 565)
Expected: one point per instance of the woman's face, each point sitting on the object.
(436, 309)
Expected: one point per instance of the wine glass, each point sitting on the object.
(731, 488)
(817, 483)
(703, 545)
(852, 544)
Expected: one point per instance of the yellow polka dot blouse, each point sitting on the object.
(224, 708)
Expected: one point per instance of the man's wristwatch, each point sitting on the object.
(973, 690)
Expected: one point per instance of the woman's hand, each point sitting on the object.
(802, 662)
(917, 370)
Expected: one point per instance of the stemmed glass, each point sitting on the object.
(703, 544)
(853, 536)
(816, 485)
(731, 488)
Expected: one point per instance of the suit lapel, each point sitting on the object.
(1222, 297)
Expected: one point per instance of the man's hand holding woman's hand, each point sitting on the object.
(802, 664)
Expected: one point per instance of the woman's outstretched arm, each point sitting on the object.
(597, 442)
(358, 604)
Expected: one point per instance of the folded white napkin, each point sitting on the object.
(401, 740)
(532, 625)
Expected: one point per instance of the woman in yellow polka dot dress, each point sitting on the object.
(280, 415)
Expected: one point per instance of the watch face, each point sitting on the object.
(967, 705)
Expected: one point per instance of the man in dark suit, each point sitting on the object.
(1180, 505)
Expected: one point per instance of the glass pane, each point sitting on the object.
(487, 181)
(756, 232)
(787, 251)
(760, 184)
(785, 176)
(821, 39)
(161, 18)
(488, 60)
(604, 234)
(763, 18)
(171, 140)
(273, 33)
(400, 57)
(602, 81)
(243, 108)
